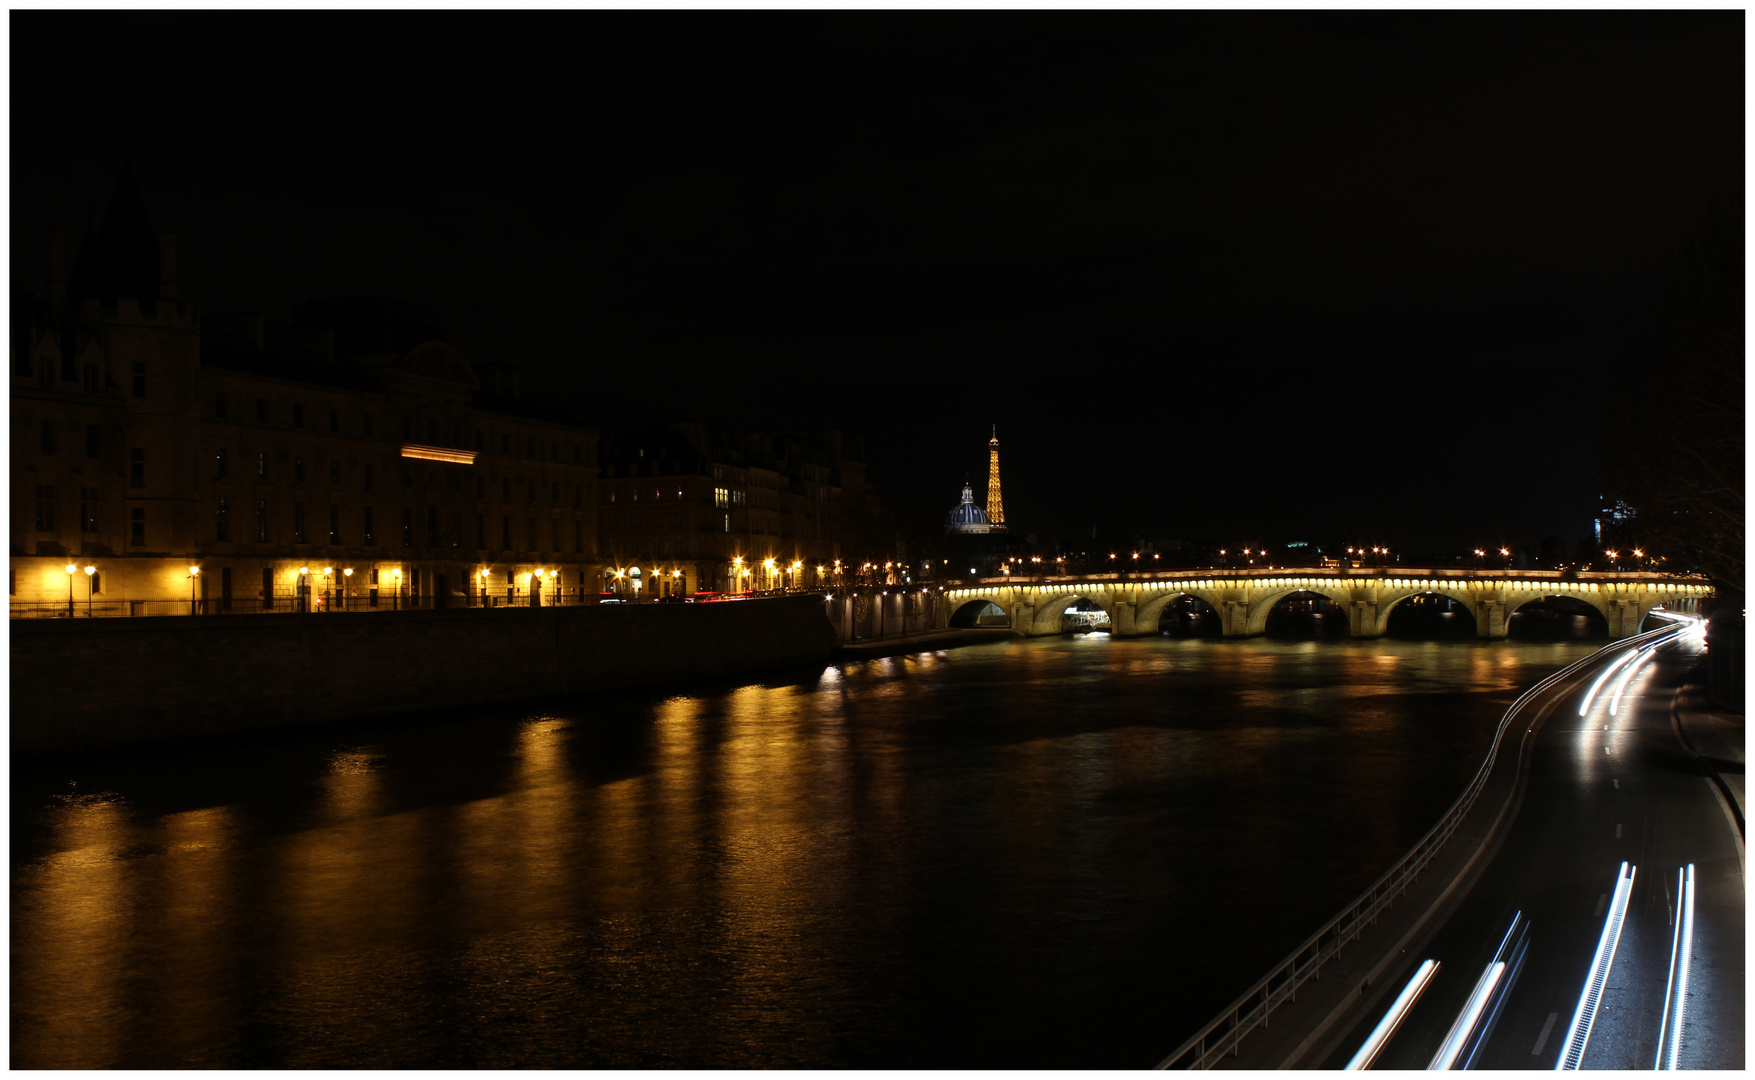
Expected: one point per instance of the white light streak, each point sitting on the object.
(1681, 950)
(1471, 1014)
(1393, 1018)
(1584, 1017)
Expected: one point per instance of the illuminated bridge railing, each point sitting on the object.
(1224, 1033)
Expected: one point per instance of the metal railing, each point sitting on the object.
(1224, 1033)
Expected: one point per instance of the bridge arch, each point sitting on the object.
(971, 612)
(1593, 599)
(1048, 613)
(1259, 607)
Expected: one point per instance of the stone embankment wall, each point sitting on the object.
(79, 684)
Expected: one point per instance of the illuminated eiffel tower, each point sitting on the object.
(995, 506)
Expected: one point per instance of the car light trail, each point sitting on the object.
(1603, 678)
(1676, 991)
(1621, 687)
(1393, 1018)
(1465, 1022)
(1578, 1032)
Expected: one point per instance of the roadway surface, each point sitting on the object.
(1601, 790)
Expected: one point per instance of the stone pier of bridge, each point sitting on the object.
(1135, 603)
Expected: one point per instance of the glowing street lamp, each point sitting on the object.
(194, 576)
(71, 570)
(483, 574)
(89, 571)
(346, 585)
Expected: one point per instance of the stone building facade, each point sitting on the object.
(702, 508)
(203, 464)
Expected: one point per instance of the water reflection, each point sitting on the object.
(986, 857)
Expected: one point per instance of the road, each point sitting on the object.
(1602, 789)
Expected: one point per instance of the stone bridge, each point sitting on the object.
(1135, 602)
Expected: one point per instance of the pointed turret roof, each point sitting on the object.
(122, 257)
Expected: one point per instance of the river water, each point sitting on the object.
(1064, 852)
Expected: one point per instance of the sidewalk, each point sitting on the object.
(923, 641)
(1716, 737)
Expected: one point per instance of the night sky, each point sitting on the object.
(1247, 276)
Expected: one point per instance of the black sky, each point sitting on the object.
(1247, 275)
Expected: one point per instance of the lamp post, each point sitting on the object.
(329, 588)
(71, 570)
(304, 597)
(483, 574)
(194, 576)
(89, 571)
(396, 587)
(346, 586)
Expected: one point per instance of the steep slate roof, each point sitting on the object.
(122, 257)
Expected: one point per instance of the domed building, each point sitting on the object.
(966, 518)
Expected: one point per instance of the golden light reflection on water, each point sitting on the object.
(617, 878)
(73, 909)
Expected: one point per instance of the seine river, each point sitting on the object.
(1064, 852)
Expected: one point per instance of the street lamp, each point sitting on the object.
(483, 574)
(194, 576)
(71, 570)
(396, 584)
(329, 588)
(305, 587)
(89, 571)
(346, 584)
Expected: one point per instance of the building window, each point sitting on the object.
(137, 527)
(721, 497)
(298, 414)
(407, 527)
(298, 470)
(94, 440)
(261, 464)
(505, 487)
(219, 462)
(262, 521)
(367, 530)
(578, 537)
(481, 531)
(88, 504)
(334, 419)
(219, 405)
(368, 476)
(366, 424)
(262, 410)
(334, 471)
(505, 532)
(137, 372)
(48, 443)
(222, 530)
(298, 523)
(432, 526)
(45, 508)
(334, 523)
(268, 588)
(456, 528)
(91, 379)
(727, 522)
(137, 467)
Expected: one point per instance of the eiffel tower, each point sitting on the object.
(995, 506)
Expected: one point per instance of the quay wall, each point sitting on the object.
(86, 684)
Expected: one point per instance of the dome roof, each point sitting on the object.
(966, 516)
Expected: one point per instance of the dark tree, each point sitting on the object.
(1673, 447)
